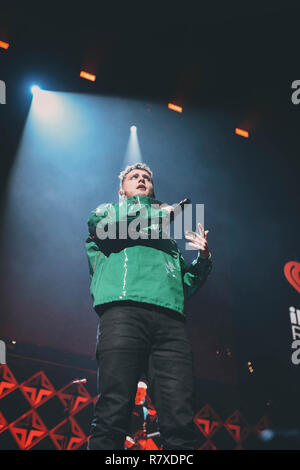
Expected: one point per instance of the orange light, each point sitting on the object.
(242, 133)
(87, 76)
(174, 107)
(4, 45)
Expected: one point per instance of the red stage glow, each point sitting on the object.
(34, 426)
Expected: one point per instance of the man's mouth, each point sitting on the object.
(141, 186)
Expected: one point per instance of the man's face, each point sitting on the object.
(138, 183)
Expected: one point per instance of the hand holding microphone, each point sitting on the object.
(176, 210)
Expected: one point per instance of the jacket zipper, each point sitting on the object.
(97, 256)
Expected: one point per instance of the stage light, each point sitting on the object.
(35, 89)
(133, 151)
(87, 76)
(46, 105)
(242, 132)
(4, 45)
(174, 107)
(266, 435)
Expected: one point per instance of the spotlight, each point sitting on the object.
(46, 105)
(174, 107)
(267, 435)
(35, 89)
(133, 128)
(87, 76)
(242, 132)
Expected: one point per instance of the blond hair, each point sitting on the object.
(129, 168)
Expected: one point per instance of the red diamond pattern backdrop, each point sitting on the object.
(3, 423)
(68, 435)
(237, 426)
(207, 421)
(29, 429)
(37, 389)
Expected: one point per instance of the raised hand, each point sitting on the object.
(199, 241)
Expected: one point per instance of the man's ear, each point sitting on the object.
(121, 194)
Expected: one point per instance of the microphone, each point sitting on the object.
(179, 208)
(79, 381)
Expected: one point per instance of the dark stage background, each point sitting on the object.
(227, 67)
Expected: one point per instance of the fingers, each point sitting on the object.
(194, 245)
(191, 235)
(199, 245)
(198, 240)
(202, 232)
(194, 240)
(196, 236)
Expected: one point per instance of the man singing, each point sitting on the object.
(139, 288)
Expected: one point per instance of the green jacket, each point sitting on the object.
(143, 270)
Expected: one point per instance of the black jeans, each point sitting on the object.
(136, 339)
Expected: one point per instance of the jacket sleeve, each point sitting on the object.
(195, 275)
(93, 252)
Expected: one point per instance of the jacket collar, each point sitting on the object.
(144, 200)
